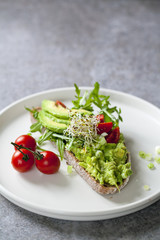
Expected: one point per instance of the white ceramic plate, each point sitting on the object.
(69, 197)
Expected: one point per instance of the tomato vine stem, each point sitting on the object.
(37, 155)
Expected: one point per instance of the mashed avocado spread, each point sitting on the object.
(106, 162)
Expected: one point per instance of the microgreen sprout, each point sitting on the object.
(84, 127)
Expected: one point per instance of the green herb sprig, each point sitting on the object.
(101, 101)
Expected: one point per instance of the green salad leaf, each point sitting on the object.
(84, 101)
(34, 111)
(101, 101)
(60, 144)
(54, 137)
(36, 127)
(45, 137)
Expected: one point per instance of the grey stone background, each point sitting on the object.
(46, 44)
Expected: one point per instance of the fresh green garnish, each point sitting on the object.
(63, 137)
(142, 154)
(157, 150)
(146, 187)
(36, 127)
(84, 101)
(83, 127)
(146, 156)
(150, 165)
(69, 169)
(45, 137)
(57, 138)
(157, 159)
(101, 101)
(41, 149)
(60, 144)
(34, 111)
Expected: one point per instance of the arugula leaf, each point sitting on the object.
(40, 149)
(34, 111)
(60, 136)
(60, 144)
(46, 136)
(101, 101)
(36, 127)
(77, 90)
(83, 98)
(110, 113)
(69, 145)
(83, 102)
(57, 138)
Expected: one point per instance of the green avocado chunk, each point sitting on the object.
(59, 111)
(51, 124)
(55, 119)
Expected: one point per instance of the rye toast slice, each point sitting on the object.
(95, 185)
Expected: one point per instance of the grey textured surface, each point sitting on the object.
(49, 43)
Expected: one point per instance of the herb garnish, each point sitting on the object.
(101, 101)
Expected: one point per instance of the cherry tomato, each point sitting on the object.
(60, 103)
(49, 164)
(100, 117)
(26, 141)
(19, 163)
(104, 127)
(113, 136)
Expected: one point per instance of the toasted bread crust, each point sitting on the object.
(95, 185)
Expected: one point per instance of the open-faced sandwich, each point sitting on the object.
(90, 141)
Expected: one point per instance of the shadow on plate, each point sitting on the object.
(37, 178)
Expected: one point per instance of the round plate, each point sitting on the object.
(67, 196)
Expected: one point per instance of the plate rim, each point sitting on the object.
(81, 88)
(74, 214)
(154, 197)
